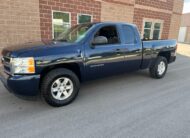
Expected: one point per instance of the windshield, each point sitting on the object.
(74, 34)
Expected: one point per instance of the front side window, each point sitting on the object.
(83, 18)
(110, 33)
(152, 30)
(61, 23)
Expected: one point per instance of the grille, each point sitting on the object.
(6, 64)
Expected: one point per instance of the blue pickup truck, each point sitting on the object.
(84, 52)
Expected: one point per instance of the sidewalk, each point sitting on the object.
(184, 49)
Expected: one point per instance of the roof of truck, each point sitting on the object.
(114, 23)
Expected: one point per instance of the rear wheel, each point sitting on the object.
(60, 87)
(159, 69)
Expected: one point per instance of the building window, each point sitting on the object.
(84, 18)
(152, 29)
(61, 22)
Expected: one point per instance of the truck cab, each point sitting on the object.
(112, 49)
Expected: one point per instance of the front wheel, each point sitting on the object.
(60, 87)
(159, 69)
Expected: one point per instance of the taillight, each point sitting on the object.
(176, 50)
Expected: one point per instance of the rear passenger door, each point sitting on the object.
(133, 52)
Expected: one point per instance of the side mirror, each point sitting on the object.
(100, 40)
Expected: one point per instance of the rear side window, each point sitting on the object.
(129, 35)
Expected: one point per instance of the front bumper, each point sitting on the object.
(26, 85)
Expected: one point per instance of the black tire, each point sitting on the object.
(49, 80)
(154, 69)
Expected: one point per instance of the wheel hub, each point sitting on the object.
(161, 68)
(62, 88)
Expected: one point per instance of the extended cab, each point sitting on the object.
(85, 52)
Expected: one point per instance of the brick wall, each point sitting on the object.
(119, 12)
(185, 20)
(19, 22)
(160, 4)
(30, 20)
(131, 11)
(167, 10)
(125, 2)
(140, 14)
(73, 6)
(176, 19)
(175, 26)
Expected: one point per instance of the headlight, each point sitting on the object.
(23, 65)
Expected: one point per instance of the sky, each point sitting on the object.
(186, 8)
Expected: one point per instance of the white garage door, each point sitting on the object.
(182, 34)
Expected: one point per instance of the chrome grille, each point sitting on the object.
(6, 64)
(7, 59)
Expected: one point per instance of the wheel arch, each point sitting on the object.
(166, 54)
(74, 67)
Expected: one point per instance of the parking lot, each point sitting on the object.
(129, 105)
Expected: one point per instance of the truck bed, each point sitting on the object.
(151, 49)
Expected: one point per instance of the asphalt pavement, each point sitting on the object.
(128, 105)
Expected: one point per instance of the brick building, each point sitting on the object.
(185, 29)
(32, 20)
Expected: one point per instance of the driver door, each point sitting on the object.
(105, 59)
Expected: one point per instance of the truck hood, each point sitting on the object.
(32, 47)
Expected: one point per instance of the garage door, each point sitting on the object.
(182, 34)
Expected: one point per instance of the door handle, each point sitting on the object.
(79, 53)
(118, 50)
